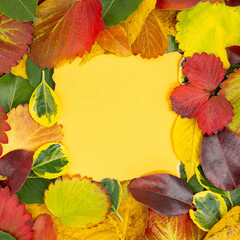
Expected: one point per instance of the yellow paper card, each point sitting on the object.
(116, 115)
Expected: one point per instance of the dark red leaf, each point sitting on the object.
(215, 114)
(188, 99)
(166, 194)
(233, 53)
(44, 229)
(16, 166)
(176, 4)
(220, 159)
(232, 3)
(204, 71)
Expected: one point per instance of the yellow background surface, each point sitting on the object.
(116, 115)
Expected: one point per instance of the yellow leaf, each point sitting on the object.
(20, 69)
(132, 228)
(135, 22)
(28, 134)
(187, 138)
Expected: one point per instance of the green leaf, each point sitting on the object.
(50, 160)
(114, 189)
(14, 91)
(211, 207)
(183, 174)
(6, 236)
(32, 191)
(172, 44)
(20, 10)
(194, 184)
(44, 105)
(117, 11)
(80, 202)
(34, 73)
(235, 196)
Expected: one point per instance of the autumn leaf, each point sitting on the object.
(152, 41)
(201, 98)
(28, 134)
(44, 229)
(164, 193)
(187, 139)
(14, 40)
(176, 4)
(4, 126)
(16, 166)
(177, 228)
(206, 32)
(65, 30)
(233, 54)
(20, 69)
(13, 218)
(72, 209)
(115, 40)
(220, 157)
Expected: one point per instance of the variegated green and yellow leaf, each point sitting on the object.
(50, 160)
(211, 207)
(44, 105)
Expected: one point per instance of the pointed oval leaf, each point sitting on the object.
(72, 209)
(176, 4)
(16, 166)
(14, 40)
(50, 160)
(117, 11)
(59, 33)
(44, 105)
(220, 157)
(164, 193)
(211, 207)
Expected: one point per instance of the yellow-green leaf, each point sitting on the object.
(77, 202)
(209, 28)
(211, 207)
(187, 138)
(44, 105)
(50, 160)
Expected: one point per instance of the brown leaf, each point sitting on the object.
(152, 41)
(115, 40)
(26, 133)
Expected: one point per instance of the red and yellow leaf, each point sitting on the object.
(177, 228)
(67, 28)
(15, 37)
(13, 218)
(115, 40)
(44, 229)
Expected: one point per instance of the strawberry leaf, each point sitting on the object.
(13, 218)
(220, 157)
(65, 30)
(164, 193)
(16, 166)
(233, 54)
(14, 38)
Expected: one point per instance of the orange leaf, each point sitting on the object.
(115, 40)
(177, 228)
(66, 29)
(153, 40)
(44, 229)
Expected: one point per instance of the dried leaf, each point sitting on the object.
(28, 134)
(63, 40)
(115, 40)
(177, 228)
(152, 40)
(14, 38)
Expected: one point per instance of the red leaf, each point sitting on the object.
(44, 229)
(164, 193)
(188, 99)
(176, 4)
(66, 29)
(215, 114)
(14, 38)
(16, 166)
(233, 53)
(4, 126)
(232, 3)
(204, 71)
(13, 218)
(220, 158)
